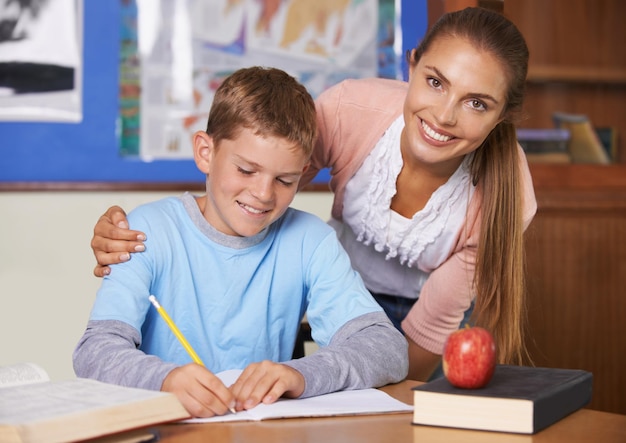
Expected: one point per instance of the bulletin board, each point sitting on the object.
(84, 155)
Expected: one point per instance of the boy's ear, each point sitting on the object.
(203, 147)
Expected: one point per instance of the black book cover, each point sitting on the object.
(555, 392)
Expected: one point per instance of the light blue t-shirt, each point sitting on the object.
(237, 300)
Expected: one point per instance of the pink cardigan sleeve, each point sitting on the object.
(449, 291)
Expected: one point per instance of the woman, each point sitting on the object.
(432, 193)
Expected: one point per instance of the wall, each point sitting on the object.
(46, 281)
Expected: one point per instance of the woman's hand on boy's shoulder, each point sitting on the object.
(265, 382)
(113, 241)
(201, 392)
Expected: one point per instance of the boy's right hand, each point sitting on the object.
(112, 241)
(199, 390)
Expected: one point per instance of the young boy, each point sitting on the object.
(237, 269)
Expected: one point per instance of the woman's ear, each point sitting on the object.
(411, 62)
(203, 148)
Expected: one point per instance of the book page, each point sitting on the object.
(22, 374)
(356, 402)
(37, 401)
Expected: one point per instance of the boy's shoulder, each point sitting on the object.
(157, 210)
(165, 204)
(304, 222)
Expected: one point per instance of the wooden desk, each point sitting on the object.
(582, 426)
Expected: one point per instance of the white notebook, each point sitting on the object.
(355, 402)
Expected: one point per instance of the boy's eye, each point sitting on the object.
(285, 182)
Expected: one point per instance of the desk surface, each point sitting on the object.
(582, 426)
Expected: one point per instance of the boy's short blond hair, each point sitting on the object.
(266, 100)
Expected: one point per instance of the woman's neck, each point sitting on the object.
(417, 181)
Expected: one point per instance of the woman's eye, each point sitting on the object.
(434, 82)
(478, 105)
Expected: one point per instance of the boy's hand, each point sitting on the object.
(199, 390)
(266, 382)
(112, 241)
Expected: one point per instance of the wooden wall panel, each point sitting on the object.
(436, 8)
(572, 32)
(576, 256)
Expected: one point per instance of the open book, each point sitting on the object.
(35, 409)
(355, 402)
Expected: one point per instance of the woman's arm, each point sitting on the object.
(112, 241)
(422, 363)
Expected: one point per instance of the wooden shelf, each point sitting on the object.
(584, 74)
(579, 187)
(579, 177)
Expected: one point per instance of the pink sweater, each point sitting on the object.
(352, 117)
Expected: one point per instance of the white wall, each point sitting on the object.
(46, 280)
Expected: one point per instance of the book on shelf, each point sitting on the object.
(35, 409)
(608, 138)
(518, 399)
(536, 140)
(544, 145)
(584, 145)
(351, 402)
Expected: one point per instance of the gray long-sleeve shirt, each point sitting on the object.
(366, 352)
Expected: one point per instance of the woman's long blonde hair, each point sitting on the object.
(495, 169)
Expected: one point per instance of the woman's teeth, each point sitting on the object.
(434, 135)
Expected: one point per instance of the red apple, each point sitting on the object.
(469, 357)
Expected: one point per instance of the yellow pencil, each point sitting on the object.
(179, 335)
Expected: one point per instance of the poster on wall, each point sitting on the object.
(41, 60)
(175, 53)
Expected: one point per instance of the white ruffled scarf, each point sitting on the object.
(410, 241)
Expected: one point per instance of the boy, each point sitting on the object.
(237, 269)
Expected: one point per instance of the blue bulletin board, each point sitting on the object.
(85, 155)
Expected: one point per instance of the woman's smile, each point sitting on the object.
(435, 135)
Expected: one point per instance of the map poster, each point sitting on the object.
(175, 53)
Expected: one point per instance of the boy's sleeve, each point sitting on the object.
(108, 351)
(366, 352)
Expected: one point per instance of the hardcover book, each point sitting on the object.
(34, 409)
(584, 145)
(518, 399)
(545, 145)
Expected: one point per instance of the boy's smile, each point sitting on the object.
(251, 180)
